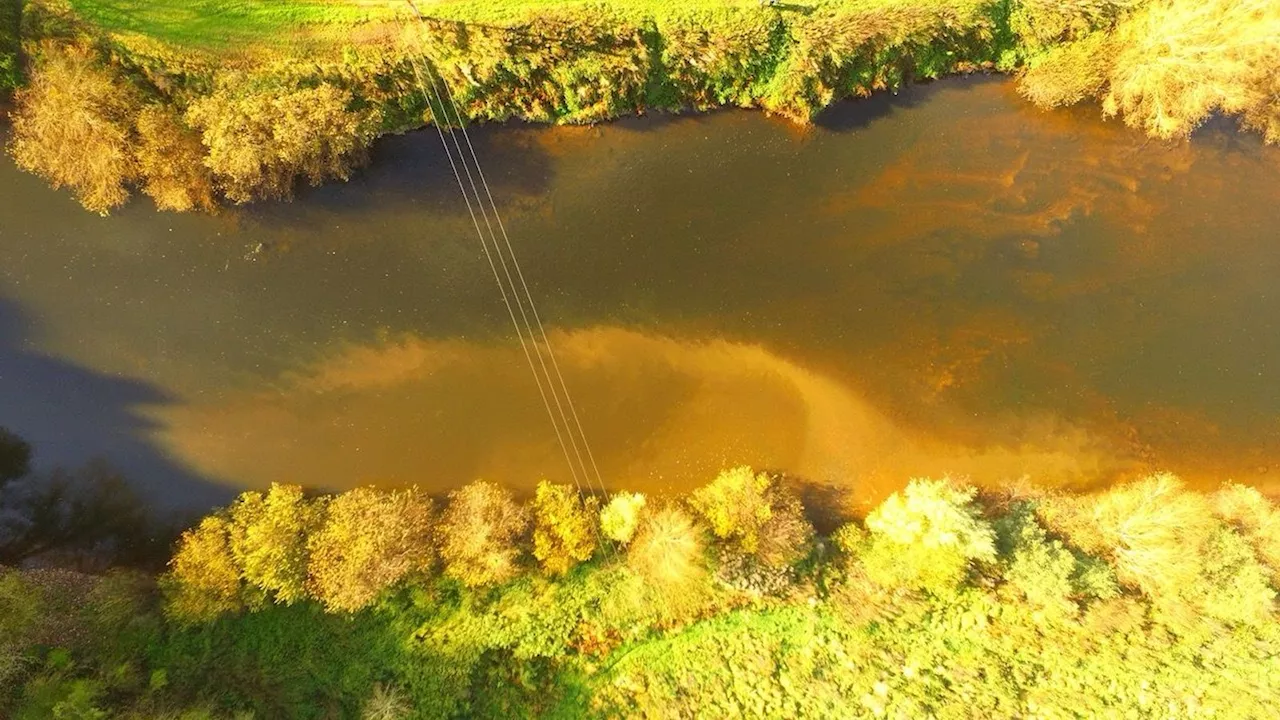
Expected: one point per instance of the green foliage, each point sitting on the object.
(279, 662)
(1147, 599)
(564, 527)
(10, 54)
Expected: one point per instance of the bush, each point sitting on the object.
(269, 540)
(620, 518)
(171, 162)
(753, 513)
(1249, 513)
(15, 457)
(73, 125)
(926, 537)
(479, 534)
(203, 581)
(261, 141)
(669, 557)
(564, 529)
(368, 541)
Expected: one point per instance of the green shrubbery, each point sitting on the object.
(1146, 599)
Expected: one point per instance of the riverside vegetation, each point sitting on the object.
(199, 104)
(1146, 599)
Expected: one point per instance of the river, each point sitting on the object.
(946, 281)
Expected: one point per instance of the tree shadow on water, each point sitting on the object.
(72, 415)
(411, 172)
(859, 113)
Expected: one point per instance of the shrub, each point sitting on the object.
(386, 702)
(119, 618)
(1179, 61)
(19, 611)
(368, 541)
(754, 515)
(668, 555)
(170, 160)
(261, 141)
(73, 125)
(926, 536)
(564, 529)
(15, 457)
(479, 534)
(620, 518)
(1045, 573)
(1254, 517)
(203, 581)
(269, 540)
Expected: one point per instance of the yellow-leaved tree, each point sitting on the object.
(368, 541)
(269, 540)
(564, 529)
(621, 516)
(926, 537)
(480, 533)
(754, 514)
(261, 141)
(171, 162)
(73, 126)
(203, 581)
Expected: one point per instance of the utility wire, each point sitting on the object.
(507, 297)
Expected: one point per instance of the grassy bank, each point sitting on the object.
(1144, 600)
(250, 97)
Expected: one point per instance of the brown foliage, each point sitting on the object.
(261, 141)
(73, 125)
(369, 540)
(171, 162)
(479, 534)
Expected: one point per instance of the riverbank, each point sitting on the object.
(217, 102)
(941, 602)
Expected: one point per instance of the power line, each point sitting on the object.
(574, 438)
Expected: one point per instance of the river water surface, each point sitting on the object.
(943, 282)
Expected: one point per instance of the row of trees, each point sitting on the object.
(343, 551)
(84, 124)
(1144, 599)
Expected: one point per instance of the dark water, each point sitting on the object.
(947, 281)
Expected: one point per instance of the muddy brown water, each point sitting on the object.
(943, 282)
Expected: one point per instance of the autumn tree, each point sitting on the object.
(754, 514)
(564, 529)
(170, 162)
(203, 581)
(368, 541)
(73, 125)
(926, 537)
(260, 141)
(621, 516)
(269, 540)
(479, 534)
